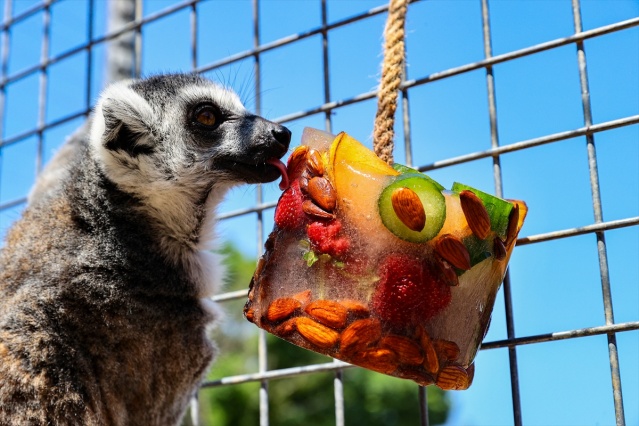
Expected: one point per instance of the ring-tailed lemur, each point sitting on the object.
(105, 280)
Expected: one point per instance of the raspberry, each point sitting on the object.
(323, 238)
(407, 290)
(288, 213)
(340, 246)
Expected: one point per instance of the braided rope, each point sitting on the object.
(383, 132)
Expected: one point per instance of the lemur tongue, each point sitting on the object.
(284, 183)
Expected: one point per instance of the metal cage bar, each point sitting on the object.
(338, 384)
(598, 216)
(499, 191)
(4, 69)
(329, 105)
(42, 95)
(262, 344)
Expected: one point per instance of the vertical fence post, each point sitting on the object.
(262, 346)
(4, 70)
(499, 190)
(338, 383)
(42, 95)
(598, 216)
(121, 51)
(89, 66)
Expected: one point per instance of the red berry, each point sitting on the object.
(407, 290)
(324, 238)
(340, 246)
(289, 213)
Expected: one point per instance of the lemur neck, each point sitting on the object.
(174, 219)
(185, 224)
(177, 225)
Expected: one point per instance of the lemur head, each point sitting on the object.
(179, 140)
(169, 128)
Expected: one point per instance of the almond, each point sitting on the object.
(354, 308)
(303, 296)
(513, 223)
(270, 241)
(454, 251)
(418, 376)
(470, 371)
(360, 335)
(381, 360)
(251, 292)
(296, 159)
(303, 180)
(448, 273)
(431, 361)
(312, 209)
(453, 377)
(328, 312)
(282, 308)
(446, 349)
(408, 351)
(321, 191)
(476, 213)
(260, 267)
(286, 328)
(249, 314)
(408, 208)
(315, 163)
(317, 334)
(499, 250)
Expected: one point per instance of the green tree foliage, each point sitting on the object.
(370, 398)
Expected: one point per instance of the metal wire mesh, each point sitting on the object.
(94, 43)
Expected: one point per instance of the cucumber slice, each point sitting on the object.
(432, 202)
(479, 250)
(406, 170)
(498, 209)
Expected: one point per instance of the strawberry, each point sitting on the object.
(324, 238)
(407, 290)
(288, 213)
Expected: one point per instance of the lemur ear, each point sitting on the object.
(127, 122)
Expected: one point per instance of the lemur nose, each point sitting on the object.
(282, 135)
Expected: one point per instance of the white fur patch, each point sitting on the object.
(225, 98)
(211, 274)
(211, 308)
(207, 227)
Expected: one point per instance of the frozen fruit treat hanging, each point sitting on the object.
(381, 266)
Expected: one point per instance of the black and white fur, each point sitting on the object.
(105, 282)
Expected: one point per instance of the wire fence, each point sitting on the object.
(92, 48)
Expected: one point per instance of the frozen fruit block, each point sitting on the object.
(381, 266)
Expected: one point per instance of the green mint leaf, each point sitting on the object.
(310, 257)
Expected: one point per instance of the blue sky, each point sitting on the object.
(555, 284)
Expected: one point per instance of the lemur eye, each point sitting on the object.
(206, 116)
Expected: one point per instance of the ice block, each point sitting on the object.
(381, 266)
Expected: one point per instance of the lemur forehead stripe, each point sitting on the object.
(161, 91)
(223, 98)
(159, 87)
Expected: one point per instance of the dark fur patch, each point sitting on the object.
(127, 140)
